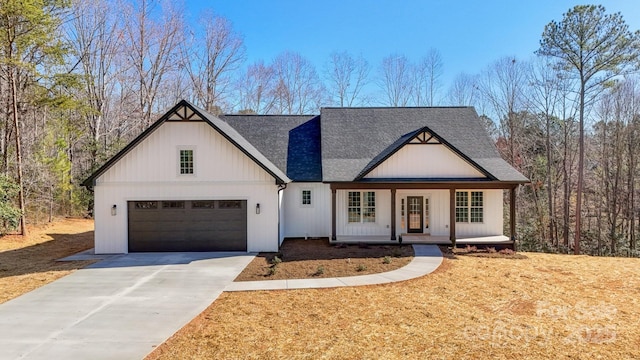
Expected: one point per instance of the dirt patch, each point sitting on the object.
(317, 258)
(466, 309)
(28, 263)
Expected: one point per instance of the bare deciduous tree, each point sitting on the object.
(426, 76)
(211, 58)
(255, 89)
(463, 90)
(395, 80)
(298, 89)
(544, 96)
(346, 76)
(502, 87)
(152, 43)
(96, 38)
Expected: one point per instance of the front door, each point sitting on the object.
(414, 207)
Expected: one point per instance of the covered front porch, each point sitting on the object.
(423, 212)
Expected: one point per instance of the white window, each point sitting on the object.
(361, 207)
(186, 163)
(305, 198)
(469, 206)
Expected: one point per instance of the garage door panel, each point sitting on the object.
(210, 225)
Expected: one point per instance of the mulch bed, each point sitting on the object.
(484, 252)
(317, 258)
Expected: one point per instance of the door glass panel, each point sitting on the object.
(426, 213)
(414, 213)
(402, 223)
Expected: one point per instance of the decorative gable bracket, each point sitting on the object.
(425, 138)
(184, 113)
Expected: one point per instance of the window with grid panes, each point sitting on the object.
(361, 207)
(369, 207)
(476, 210)
(469, 206)
(353, 206)
(186, 162)
(306, 197)
(462, 206)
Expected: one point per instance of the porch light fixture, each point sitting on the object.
(114, 210)
(258, 208)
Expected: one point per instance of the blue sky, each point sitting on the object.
(469, 34)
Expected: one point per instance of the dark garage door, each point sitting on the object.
(210, 225)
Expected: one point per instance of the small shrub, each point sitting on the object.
(361, 267)
(506, 251)
(470, 249)
(319, 271)
(9, 213)
(491, 250)
(386, 260)
(276, 260)
(272, 270)
(396, 252)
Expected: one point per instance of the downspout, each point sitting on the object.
(280, 188)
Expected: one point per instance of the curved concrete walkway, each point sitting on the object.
(427, 258)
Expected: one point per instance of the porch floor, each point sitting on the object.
(428, 239)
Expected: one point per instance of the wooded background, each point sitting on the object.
(79, 79)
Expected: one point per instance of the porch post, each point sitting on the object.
(333, 213)
(452, 216)
(393, 213)
(512, 213)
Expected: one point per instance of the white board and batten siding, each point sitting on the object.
(424, 161)
(150, 171)
(382, 224)
(299, 220)
(439, 213)
(492, 216)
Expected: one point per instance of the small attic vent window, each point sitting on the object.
(186, 162)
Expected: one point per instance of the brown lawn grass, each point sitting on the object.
(303, 258)
(545, 306)
(28, 263)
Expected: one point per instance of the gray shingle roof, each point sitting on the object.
(354, 139)
(344, 144)
(292, 142)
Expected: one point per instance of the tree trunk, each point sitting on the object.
(549, 190)
(566, 190)
(14, 105)
(576, 245)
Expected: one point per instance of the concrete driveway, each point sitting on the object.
(119, 308)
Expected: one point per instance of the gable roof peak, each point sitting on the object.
(185, 111)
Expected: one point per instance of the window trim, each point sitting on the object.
(302, 198)
(179, 160)
(362, 207)
(469, 206)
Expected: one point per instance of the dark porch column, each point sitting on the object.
(452, 215)
(393, 213)
(333, 213)
(512, 213)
